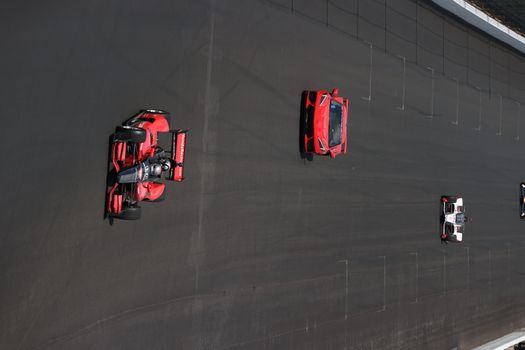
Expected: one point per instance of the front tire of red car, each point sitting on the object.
(130, 213)
(130, 134)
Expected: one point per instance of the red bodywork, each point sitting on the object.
(317, 107)
(152, 124)
(124, 155)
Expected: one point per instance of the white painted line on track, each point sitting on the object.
(517, 138)
(508, 262)
(369, 97)
(444, 274)
(346, 286)
(432, 94)
(207, 92)
(479, 115)
(196, 278)
(384, 282)
(490, 266)
(198, 240)
(456, 122)
(468, 267)
(417, 274)
(402, 107)
(500, 114)
(346, 261)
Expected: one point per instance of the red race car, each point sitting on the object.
(139, 162)
(325, 116)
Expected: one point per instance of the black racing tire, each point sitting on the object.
(130, 213)
(156, 111)
(130, 134)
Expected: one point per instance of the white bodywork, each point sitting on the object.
(451, 217)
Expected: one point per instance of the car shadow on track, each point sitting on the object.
(302, 129)
(111, 179)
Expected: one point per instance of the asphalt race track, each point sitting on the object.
(259, 248)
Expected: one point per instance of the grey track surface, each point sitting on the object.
(252, 250)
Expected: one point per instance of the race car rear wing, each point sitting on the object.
(178, 147)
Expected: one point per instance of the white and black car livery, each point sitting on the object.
(452, 218)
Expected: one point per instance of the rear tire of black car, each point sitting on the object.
(130, 134)
(130, 213)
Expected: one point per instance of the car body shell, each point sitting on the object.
(452, 218)
(316, 111)
(125, 155)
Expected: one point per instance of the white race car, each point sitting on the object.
(452, 218)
